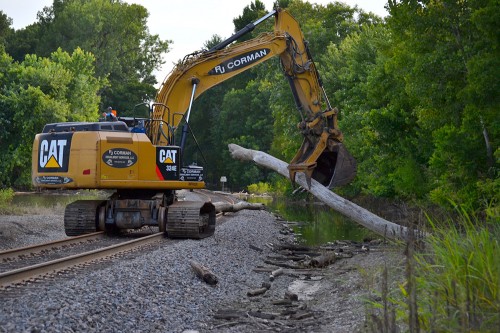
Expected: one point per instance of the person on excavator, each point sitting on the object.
(110, 114)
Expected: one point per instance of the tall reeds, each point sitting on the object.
(451, 284)
(458, 277)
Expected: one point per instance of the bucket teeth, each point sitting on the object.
(306, 168)
(332, 168)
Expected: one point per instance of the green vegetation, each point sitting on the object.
(115, 32)
(260, 188)
(459, 278)
(47, 203)
(6, 196)
(450, 285)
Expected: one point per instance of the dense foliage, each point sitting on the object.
(115, 32)
(417, 91)
(418, 95)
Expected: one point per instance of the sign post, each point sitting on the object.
(223, 180)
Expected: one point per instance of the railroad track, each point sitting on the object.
(23, 252)
(30, 272)
(38, 261)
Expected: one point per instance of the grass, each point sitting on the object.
(460, 276)
(6, 196)
(451, 285)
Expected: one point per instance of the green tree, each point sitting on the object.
(377, 117)
(251, 13)
(246, 121)
(5, 29)
(114, 31)
(38, 91)
(451, 53)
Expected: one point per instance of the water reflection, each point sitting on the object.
(53, 199)
(318, 224)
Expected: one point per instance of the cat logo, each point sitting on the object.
(168, 162)
(167, 156)
(54, 153)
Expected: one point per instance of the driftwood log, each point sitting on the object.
(323, 260)
(204, 273)
(276, 273)
(356, 213)
(259, 291)
(222, 207)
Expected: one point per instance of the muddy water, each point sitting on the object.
(316, 223)
(52, 199)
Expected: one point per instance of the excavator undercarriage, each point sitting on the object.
(178, 219)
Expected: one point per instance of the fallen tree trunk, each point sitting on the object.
(356, 213)
(222, 207)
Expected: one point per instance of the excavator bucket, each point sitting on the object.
(334, 166)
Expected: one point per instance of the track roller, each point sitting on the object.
(190, 219)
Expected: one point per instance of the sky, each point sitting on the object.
(188, 23)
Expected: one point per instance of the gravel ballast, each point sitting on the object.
(155, 291)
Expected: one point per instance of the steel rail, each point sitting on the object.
(28, 250)
(26, 273)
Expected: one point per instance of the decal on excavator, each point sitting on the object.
(119, 158)
(240, 61)
(52, 180)
(167, 163)
(191, 173)
(53, 152)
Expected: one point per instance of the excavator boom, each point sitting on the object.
(322, 155)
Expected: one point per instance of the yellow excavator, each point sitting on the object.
(140, 160)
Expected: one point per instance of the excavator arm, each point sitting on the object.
(322, 155)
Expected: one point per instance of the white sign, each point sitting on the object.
(223, 179)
